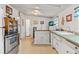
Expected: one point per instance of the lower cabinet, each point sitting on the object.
(52, 39)
(63, 48)
(62, 45)
(42, 37)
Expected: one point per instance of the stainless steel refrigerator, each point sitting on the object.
(8, 43)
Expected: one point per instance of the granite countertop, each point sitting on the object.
(68, 36)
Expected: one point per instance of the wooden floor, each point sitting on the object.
(27, 47)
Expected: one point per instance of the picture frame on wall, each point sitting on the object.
(62, 22)
(41, 22)
(35, 22)
(69, 18)
(51, 23)
(8, 10)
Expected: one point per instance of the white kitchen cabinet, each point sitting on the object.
(72, 48)
(52, 40)
(41, 37)
(54, 43)
(63, 46)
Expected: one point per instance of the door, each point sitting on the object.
(28, 27)
(34, 29)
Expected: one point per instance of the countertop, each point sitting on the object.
(68, 36)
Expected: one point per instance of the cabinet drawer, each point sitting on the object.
(71, 45)
(76, 48)
(58, 38)
(63, 46)
(69, 50)
(54, 40)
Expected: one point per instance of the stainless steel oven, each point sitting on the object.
(11, 42)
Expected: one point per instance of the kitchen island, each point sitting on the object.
(65, 42)
(42, 37)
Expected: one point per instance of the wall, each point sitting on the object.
(20, 17)
(55, 20)
(14, 13)
(2, 15)
(22, 25)
(28, 23)
(37, 19)
(1, 31)
(71, 26)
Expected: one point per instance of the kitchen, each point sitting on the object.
(51, 28)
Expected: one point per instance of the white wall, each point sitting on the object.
(38, 19)
(68, 25)
(3, 14)
(20, 19)
(14, 11)
(23, 25)
(28, 24)
(56, 21)
(1, 31)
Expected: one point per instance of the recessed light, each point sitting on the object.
(35, 12)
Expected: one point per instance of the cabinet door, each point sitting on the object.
(52, 39)
(56, 45)
(41, 37)
(73, 46)
(55, 42)
(45, 37)
(69, 50)
(37, 38)
(59, 46)
(66, 49)
(63, 46)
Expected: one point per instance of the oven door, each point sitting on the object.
(11, 43)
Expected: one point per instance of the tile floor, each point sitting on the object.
(27, 47)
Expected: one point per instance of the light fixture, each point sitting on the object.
(36, 12)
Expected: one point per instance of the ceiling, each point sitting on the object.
(46, 10)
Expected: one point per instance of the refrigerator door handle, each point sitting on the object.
(2, 27)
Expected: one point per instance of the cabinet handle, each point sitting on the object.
(76, 48)
(67, 51)
(75, 53)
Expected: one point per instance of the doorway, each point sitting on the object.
(28, 27)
